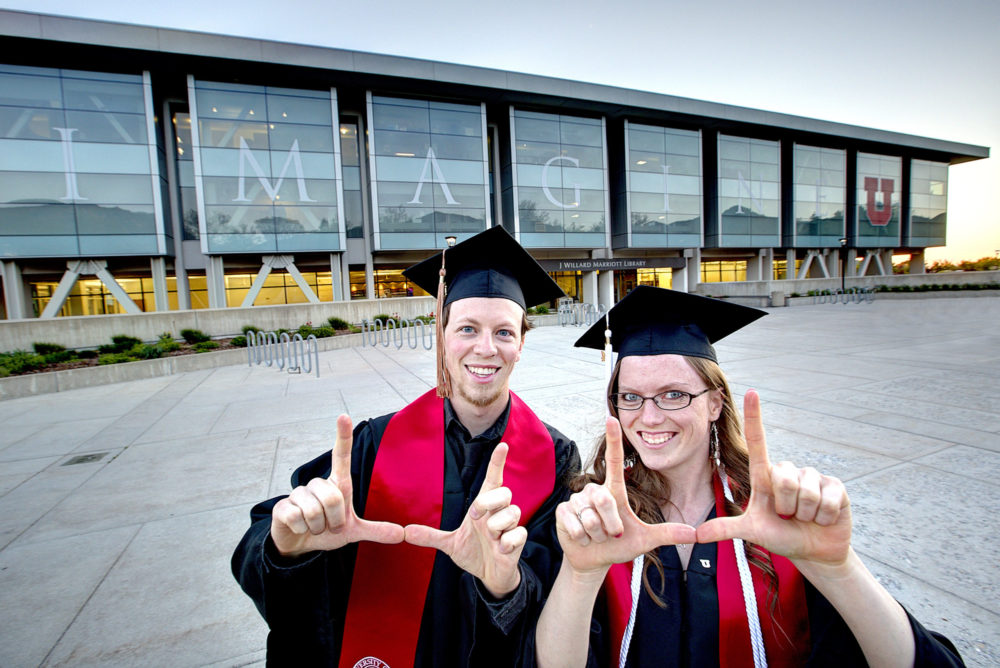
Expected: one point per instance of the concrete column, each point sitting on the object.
(215, 279)
(851, 262)
(15, 292)
(790, 264)
(340, 277)
(834, 263)
(693, 268)
(679, 278)
(887, 262)
(917, 263)
(158, 267)
(606, 289)
(753, 268)
(766, 264)
(589, 288)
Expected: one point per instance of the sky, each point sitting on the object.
(911, 66)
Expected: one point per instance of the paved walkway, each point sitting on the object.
(122, 559)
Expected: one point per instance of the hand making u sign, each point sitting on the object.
(597, 527)
(795, 512)
(320, 515)
(489, 541)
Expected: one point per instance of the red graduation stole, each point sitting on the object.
(389, 587)
(786, 635)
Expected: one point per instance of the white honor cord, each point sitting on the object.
(636, 584)
(749, 597)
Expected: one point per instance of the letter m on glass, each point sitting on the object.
(878, 216)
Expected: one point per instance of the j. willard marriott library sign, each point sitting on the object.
(154, 170)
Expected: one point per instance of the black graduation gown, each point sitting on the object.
(304, 601)
(686, 632)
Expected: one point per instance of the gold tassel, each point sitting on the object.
(443, 378)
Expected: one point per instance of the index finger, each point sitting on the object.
(340, 462)
(614, 459)
(494, 472)
(753, 431)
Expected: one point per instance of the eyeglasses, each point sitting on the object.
(671, 400)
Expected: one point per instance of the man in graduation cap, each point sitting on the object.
(426, 537)
(686, 546)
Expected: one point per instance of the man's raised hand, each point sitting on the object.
(489, 541)
(597, 527)
(320, 515)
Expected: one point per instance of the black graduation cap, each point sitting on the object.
(657, 321)
(489, 264)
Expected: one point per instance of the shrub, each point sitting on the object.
(239, 341)
(384, 317)
(123, 343)
(249, 328)
(59, 356)
(146, 351)
(21, 361)
(194, 336)
(541, 309)
(87, 354)
(47, 348)
(338, 323)
(115, 358)
(166, 344)
(355, 330)
(426, 319)
(305, 330)
(322, 332)
(4, 372)
(205, 346)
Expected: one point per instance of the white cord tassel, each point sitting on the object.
(746, 580)
(606, 354)
(636, 584)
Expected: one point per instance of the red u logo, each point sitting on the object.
(879, 217)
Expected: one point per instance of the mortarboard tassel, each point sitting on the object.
(443, 379)
(606, 354)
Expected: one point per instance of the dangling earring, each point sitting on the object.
(629, 460)
(713, 446)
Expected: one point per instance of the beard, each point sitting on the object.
(479, 396)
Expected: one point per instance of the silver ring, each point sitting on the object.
(579, 515)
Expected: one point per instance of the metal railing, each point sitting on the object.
(300, 355)
(582, 314)
(849, 296)
(397, 332)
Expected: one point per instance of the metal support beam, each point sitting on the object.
(77, 268)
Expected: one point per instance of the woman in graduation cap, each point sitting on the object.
(695, 548)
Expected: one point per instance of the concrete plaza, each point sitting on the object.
(122, 558)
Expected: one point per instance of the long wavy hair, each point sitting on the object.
(648, 490)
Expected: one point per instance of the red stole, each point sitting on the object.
(390, 582)
(786, 636)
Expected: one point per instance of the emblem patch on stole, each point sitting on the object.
(705, 563)
(371, 662)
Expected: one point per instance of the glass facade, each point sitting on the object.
(878, 186)
(820, 196)
(663, 187)
(928, 203)
(350, 155)
(267, 168)
(80, 171)
(559, 180)
(429, 171)
(749, 193)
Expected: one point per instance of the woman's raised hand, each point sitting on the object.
(597, 527)
(795, 512)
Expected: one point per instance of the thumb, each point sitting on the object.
(722, 528)
(380, 532)
(425, 536)
(670, 533)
